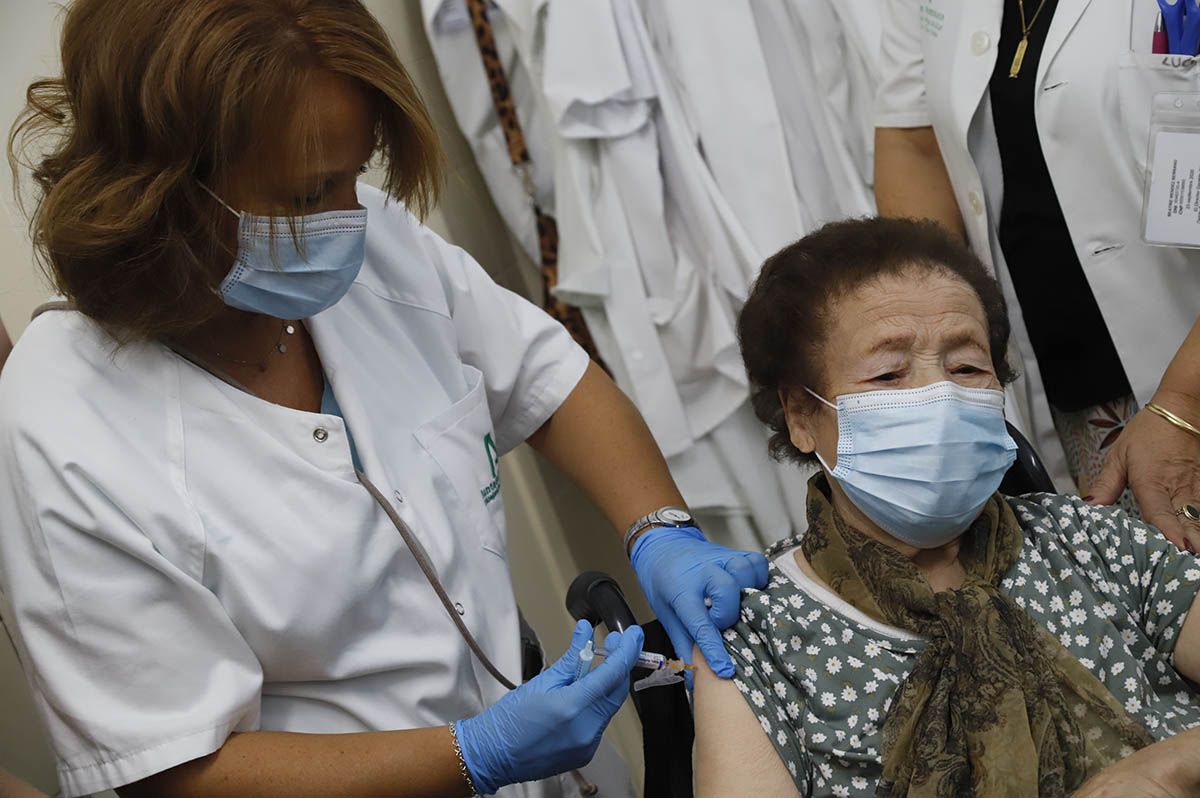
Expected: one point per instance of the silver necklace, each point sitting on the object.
(280, 347)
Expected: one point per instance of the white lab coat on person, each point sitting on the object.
(1095, 81)
(654, 270)
(181, 560)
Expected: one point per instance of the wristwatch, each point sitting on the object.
(669, 516)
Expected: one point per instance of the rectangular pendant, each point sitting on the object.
(1019, 58)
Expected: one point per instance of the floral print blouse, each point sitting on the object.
(820, 674)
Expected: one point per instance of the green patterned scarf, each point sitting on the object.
(994, 706)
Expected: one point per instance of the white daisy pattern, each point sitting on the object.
(1113, 591)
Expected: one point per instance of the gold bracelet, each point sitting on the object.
(1173, 419)
(462, 761)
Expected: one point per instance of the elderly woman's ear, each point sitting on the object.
(797, 410)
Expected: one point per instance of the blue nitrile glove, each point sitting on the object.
(552, 723)
(678, 570)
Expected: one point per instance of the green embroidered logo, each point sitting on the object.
(932, 21)
(492, 490)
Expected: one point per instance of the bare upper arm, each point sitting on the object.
(732, 755)
(1187, 647)
(911, 180)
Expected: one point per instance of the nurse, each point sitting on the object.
(1024, 125)
(253, 531)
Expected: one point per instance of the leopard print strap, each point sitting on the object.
(568, 315)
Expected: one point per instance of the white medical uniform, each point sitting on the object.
(181, 560)
(1095, 82)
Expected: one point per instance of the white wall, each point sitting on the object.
(540, 502)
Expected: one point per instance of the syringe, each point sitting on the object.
(585, 661)
(652, 661)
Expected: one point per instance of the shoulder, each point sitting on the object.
(1074, 524)
(90, 446)
(405, 260)
(1114, 551)
(68, 390)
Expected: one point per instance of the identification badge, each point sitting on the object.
(1171, 203)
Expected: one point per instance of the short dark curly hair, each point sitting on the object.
(783, 325)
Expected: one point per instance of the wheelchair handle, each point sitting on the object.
(1031, 472)
(596, 597)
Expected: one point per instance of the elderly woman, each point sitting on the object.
(927, 636)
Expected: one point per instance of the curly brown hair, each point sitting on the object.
(157, 96)
(782, 327)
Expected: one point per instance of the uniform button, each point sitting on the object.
(976, 203)
(980, 42)
(399, 498)
(320, 435)
(460, 609)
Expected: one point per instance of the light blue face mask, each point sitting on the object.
(921, 463)
(279, 278)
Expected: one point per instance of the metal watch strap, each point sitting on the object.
(669, 516)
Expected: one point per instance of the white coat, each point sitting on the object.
(1095, 82)
(649, 248)
(181, 560)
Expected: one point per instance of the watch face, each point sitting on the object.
(675, 516)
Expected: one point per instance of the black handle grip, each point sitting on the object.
(1027, 474)
(596, 597)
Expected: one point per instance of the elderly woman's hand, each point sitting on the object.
(1167, 769)
(1160, 462)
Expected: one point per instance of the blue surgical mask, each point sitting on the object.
(274, 276)
(922, 463)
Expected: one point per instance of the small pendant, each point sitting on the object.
(1019, 58)
(289, 329)
(281, 348)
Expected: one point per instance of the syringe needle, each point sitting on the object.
(653, 661)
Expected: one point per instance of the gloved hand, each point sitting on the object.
(552, 723)
(678, 570)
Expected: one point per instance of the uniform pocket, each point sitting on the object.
(1140, 76)
(463, 444)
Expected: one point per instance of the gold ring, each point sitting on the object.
(1189, 511)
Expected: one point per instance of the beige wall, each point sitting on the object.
(27, 50)
(541, 504)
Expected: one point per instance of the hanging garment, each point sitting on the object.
(650, 249)
(518, 153)
(448, 28)
(711, 51)
(650, 239)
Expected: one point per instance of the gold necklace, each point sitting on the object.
(1023, 45)
(280, 346)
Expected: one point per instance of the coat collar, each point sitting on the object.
(1065, 18)
(984, 16)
